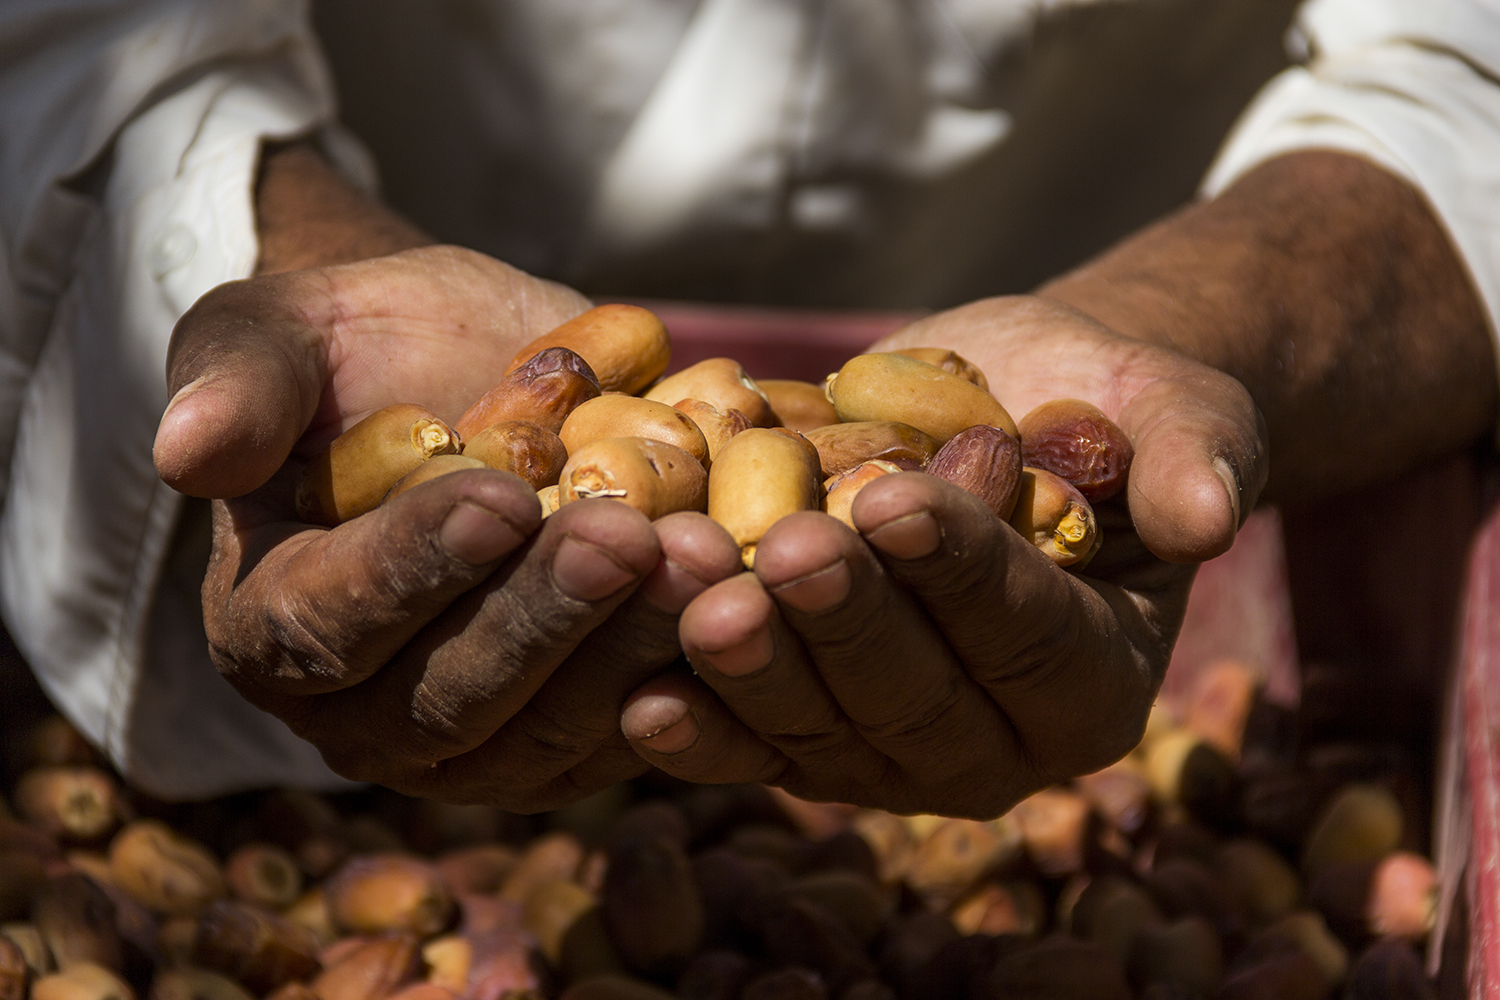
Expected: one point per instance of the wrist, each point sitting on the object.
(308, 215)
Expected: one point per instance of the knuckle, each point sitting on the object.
(924, 721)
(572, 736)
(295, 642)
(275, 649)
(537, 633)
(818, 732)
(363, 763)
(441, 724)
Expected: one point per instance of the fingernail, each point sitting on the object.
(675, 738)
(739, 660)
(476, 535)
(585, 572)
(167, 420)
(817, 591)
(1231, 484)
(661, 723)
(186, 391)
(910, 537)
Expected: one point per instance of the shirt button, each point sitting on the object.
(173, 247)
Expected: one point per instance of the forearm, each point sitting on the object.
(307, 215)
(1328, 289)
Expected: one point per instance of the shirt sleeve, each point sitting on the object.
(1410, 86)
(133, 133)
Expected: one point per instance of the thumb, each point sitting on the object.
(1200, 464)
(246, 370)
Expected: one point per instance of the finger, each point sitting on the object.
(1199, 465)
(293, 611)
(742, 649)
(676, 723)
(473, 668)
(1074, 665)
(246, 368)
(568, 734)
(886, 664)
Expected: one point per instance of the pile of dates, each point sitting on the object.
(585, 412)
(1220, 860)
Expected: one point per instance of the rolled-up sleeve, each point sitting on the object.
(1411, 86)
(132, 137)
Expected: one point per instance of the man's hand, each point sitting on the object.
(947, 667)
(442, 645)
(941, 663)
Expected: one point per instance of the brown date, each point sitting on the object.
(1077, 441)
(529, 450)
(843, 446)
(542, 391)
(986, 461)
(626, 346)
(254, 946)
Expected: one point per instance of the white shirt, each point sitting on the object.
(850, 152)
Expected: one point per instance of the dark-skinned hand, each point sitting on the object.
(448, 644)
(936, 661)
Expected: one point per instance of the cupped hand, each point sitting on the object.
(936, 661)
(449, 643)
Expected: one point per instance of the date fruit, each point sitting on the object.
(630, 416)
(542, 391)
(761, 476)
(529, 450)
(888, 386)
(168, 873)
(626, 346)
(948, 361)
(77, 803)
(986, 461)
(720, 382)
(717, 425)
(1077, 441)
(389, 892)
(799, 405)
(842, 489)
(654, 477)
(263, 874)
(1052, 515)
(254, 946)
(843, 446)
(355, 472)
